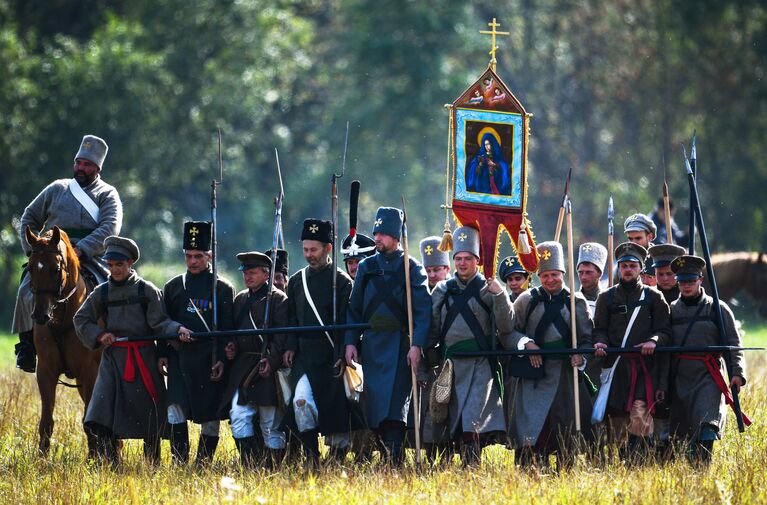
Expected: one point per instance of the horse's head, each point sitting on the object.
(53, 266)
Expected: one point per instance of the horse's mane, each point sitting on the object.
(73, 262)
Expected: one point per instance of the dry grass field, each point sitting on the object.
(737, 474)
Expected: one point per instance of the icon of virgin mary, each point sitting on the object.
(488, 172)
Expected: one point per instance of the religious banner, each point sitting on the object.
(488, 146)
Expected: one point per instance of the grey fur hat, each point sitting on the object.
(93, 148)
(431, 256)
(594, 253)
(551, 257)
(466, 239)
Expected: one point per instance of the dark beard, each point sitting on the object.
(83, 179)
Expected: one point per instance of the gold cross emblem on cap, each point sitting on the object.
(680, 262)
(428, 250)
(509, 262)
(462, 237)
(314, 228)
(546, 254)
(193, 231)
(87, 144)
(379, 221)
(587, 247)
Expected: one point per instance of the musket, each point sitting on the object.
(610, 245)
(693, 198)
(275, 240)
(690, 349)
(409, 301)
(714, 289)
(251, 331)
(561, 215)
(334, 213)
(573, 334)
(214, 247)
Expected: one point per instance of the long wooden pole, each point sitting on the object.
(667, 214)
(409, 300)
(573, 333)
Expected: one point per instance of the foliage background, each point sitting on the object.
(614, 87)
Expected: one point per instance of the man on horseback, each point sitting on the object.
(89, 210)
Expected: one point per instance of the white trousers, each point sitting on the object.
(305, 409)
(176, 416)
(241, 418)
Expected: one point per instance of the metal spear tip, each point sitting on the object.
(568, 205)
(610, 209)
(693, 151)
(279, 171)
(687, 166)
(567, 185)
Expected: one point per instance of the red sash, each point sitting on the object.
(650, 394)
(133, 357)
(712, 364)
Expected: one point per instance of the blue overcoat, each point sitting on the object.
(384, 348)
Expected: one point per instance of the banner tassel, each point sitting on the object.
(447, 239)
(523, 246)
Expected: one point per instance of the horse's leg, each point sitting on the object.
(46, 383)
(48, 371)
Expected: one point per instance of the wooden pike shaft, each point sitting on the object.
(573, 334)
(560, 219)
(409, 301)
(667, 214)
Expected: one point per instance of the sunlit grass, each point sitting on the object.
(65, 476)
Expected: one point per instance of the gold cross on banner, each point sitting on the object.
(428, 250)
(193, 231)
(546, 254)
(493, 46)
(313, 228)
(462, 237)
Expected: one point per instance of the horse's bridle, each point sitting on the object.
(62, 279)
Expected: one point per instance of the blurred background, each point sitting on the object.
(614, 86)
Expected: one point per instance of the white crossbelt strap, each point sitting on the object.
(85, 200)
(311, 304)
(606, 377)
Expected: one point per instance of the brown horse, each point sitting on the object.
(738, 271)
(59, 290)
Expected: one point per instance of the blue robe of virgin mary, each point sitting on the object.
(478, 177)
